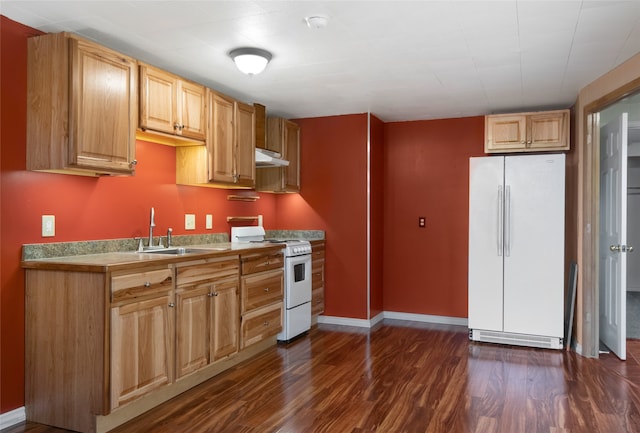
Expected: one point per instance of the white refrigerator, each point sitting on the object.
(516, 249)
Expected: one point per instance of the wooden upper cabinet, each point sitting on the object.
(245, 149)
(283, 136)
(78, 122)
(527, 132)
(172, 105)
(228, 159)
(221, 139)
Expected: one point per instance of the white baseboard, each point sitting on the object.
(364, 323)
(13, 417)
(442, 320)
(344, 321)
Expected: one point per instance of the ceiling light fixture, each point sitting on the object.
(251, 61)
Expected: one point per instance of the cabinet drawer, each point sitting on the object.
(139, 284)
(213, 269)
(261, 323)
(317, 252)
(262, 262)
(262, 289)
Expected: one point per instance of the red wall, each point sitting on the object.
(333, 198)
(85, 208)
(427, 174)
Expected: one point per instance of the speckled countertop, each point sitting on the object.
(102, 255)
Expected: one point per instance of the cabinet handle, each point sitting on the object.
(171, 305)
(215, 293)
(133, 163)
(178, 127)
(266, 289)
(529, 142)
(210, 294)
(266, 323)
(147, 284)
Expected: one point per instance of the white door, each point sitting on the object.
(486, 204)
(534, 245)
(613, 235)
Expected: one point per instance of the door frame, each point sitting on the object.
(591, 212)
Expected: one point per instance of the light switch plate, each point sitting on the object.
(209, 221)
(48, 226)
(189, 221)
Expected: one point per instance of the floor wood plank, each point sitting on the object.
(404, 377)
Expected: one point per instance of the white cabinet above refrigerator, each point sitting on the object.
(516, 249)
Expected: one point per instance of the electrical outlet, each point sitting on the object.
(189, 221)
(48, 226)
(422, 222)
(209, 222)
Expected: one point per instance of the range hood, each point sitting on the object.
(267, 158)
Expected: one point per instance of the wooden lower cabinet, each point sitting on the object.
(262, 286)
(208, 317)
(142, 332)
(317, 278)
(141, 348)
(99, 340)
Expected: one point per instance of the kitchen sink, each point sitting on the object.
(179, 251)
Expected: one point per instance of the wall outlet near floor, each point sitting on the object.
(209, 221)
(189, 221)
(48, 226)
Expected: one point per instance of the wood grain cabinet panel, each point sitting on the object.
(527, 132)
(228, 159)
(283, 136)
(142, 332)
(261, 300)
(317, 278)
(142, 347)
(208, 313)
(81, 109)
(172, 105)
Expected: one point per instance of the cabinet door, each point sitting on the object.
(192, 108)
(548, 131)
(102, 116)
(142, 346)
(505, 132)
(292, 154)
(158, 102)
(245, 153)
(221, 139)
(192, 327)
(225, 318)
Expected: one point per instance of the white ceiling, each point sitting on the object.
(400, 60)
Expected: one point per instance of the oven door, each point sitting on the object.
(297, 280)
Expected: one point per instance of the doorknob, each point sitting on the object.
(621, 248)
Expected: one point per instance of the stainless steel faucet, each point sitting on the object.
(169, 231)
(152, 224)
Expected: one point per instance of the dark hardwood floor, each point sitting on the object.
(405, 377)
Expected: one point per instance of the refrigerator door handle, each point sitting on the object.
(500, 219)
(507, 228)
